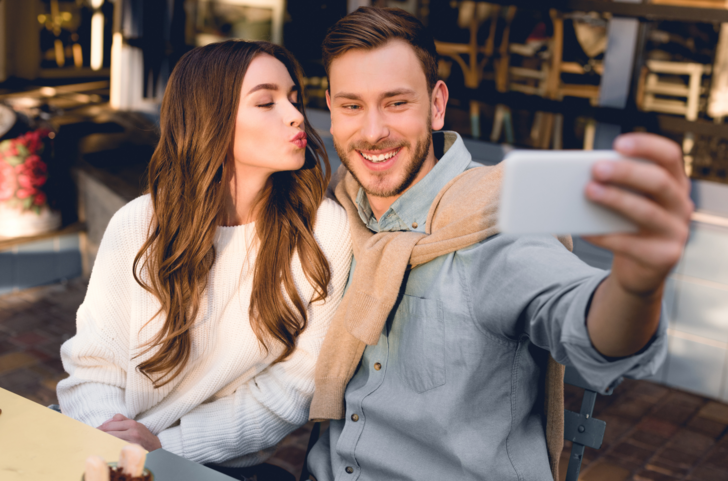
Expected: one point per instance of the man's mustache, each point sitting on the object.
(387, 145)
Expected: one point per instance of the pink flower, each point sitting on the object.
(40, 198)
(35, 140)
(32, 173)
(11, 151)
(23, 193)
(8, 184)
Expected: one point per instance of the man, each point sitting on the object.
(452, 386)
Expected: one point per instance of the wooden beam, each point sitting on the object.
(646, 11)
(628, 118)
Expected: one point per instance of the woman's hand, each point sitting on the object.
(129, 430)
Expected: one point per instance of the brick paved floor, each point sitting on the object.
(654, 433)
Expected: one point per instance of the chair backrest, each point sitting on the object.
(581, 428)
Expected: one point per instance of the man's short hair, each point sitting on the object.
(371, 27)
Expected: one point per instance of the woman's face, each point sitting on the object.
(269, 134)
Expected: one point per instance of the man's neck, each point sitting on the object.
(380, 205)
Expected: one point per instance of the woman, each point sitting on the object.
(210, 296)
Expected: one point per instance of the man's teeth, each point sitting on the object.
(380, 158)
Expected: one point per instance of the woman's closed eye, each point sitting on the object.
(270, 104)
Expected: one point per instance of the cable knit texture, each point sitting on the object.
(229, 406)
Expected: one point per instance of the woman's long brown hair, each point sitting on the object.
(187, 184)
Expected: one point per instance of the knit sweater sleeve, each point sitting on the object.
(96, 357)
(276, 401)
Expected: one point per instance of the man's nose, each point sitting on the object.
(375, 128)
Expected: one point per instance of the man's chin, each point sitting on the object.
(382, 186)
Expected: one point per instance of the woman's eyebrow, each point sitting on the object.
(269, 86)
(263, 87)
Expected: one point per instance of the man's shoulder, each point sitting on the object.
(474, 165)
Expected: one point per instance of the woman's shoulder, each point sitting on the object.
(133, 218)
(332, 226)
(331, 217)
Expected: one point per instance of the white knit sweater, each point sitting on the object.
(229, 406)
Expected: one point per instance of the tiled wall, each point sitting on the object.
(696, 300)
(40, 262)
(697, 308)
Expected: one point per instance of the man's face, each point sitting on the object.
(381, 117)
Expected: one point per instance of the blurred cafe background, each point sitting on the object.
(81, 83)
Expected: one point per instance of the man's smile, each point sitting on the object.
(379, 160)
(380, 156)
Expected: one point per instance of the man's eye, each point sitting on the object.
(351, 107)
(399, 103)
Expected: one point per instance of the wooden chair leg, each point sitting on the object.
(536, 128)
(508, 126)
(590, 132)
(546, 131)
(558, 135)
(693, 104)
(688, 144)
(497, 130)
(475, 119)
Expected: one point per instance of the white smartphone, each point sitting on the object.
(543, 192)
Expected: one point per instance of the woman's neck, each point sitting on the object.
(243, 197)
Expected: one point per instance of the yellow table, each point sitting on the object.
(39, 444)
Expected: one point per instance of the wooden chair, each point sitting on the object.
(558, 89)
(473, 58)
(547, 130)
(581, 428)
(675, 96)
(531, 81)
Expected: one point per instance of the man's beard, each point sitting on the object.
(411, 169)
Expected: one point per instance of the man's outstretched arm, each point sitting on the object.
(625, 309)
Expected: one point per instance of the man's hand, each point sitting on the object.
(655, 196)
(643, 260)
(129, 430)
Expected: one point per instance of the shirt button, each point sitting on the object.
(414, 225)
(355, 417)
(349, 469)
(377, 366)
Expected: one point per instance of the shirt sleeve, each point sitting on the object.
(276, 401)
(96, 357)
(532, 286)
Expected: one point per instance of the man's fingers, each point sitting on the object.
(662, 151)
(647, 179)
(641, 251)
(648, 215)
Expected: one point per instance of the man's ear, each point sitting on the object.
(328, 104)
(440, 95)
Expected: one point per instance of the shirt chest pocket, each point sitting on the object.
(421, 355)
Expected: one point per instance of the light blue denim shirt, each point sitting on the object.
(453, 389)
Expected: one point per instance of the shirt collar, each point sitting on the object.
(409, 212)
